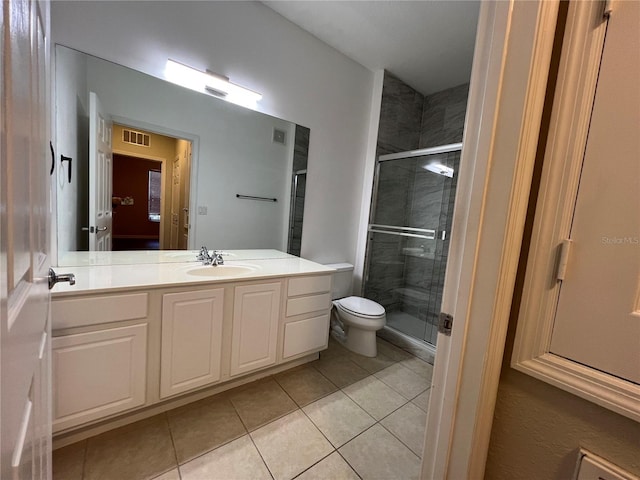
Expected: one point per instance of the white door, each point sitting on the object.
(175, 204)
(25, 420)
(511, 63)
(598, 315)
(184, 197)
(100, 175)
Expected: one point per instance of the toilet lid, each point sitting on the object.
(361, 306)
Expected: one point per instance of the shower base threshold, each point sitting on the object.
(425, 351)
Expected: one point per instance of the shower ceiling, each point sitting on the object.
(427, 44)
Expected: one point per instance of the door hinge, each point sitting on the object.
(445, 323)
(608, 8)
(565, 248)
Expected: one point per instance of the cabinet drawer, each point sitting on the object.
(309, 285)
(312, 303)
(97, 374)
(303, 336)
(94, 310)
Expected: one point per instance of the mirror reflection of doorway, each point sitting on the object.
(150, 198)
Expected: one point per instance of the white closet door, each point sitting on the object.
(598, 317)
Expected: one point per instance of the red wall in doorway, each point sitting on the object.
(131, 179)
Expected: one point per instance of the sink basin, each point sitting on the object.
(222, 270)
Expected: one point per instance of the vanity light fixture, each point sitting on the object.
(210, 82)
(439, 169)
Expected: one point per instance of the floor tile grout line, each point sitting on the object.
(396, 390)
(261, 457)
(378, 422)
(316, 463)
(202, 454)
(334, 448)
(309, 403)
(320, 430)
(84, 458)
(173, 444)
(400, 440)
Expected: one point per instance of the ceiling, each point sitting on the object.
(428, 44)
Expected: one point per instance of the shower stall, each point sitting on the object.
(408, 237)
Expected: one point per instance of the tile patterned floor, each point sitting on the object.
(343, 416)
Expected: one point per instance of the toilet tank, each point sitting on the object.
(342, 280)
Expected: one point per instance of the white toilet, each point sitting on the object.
(359, 317)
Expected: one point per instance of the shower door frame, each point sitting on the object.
(428, 234)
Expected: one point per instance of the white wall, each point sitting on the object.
(301, 79)
(71, 140)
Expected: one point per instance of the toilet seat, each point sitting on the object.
(361, 307)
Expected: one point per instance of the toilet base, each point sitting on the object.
(362, 342)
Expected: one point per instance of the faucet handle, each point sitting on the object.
(204, 253)
(217, 257)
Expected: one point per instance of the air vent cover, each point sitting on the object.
(279, 136)
(136, 138)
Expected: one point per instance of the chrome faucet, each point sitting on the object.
(203, 255)
(206, 259)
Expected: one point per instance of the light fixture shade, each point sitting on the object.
(209, 82)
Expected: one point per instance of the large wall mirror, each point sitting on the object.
(143, 164)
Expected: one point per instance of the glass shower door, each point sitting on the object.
(408, 239)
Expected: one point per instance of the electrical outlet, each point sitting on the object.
(202, 210)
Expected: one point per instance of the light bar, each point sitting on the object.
(209, 82)
(439, 169)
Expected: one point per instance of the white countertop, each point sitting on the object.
(137, 257)
(107, 278)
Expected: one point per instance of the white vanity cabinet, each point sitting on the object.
(306, 323)
(256, 315)
(98, 373)
(191, 351)
(103, 371)
(128, 351)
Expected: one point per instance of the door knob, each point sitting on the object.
(64, 277)
(99, 229)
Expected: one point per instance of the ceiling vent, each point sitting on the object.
(136, 138)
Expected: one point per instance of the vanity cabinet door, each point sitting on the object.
(191, 340)
(256, 313)
(97, 374)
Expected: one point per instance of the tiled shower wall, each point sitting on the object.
(300, 155)
(405, 195)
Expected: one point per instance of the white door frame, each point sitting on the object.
(507, 94)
